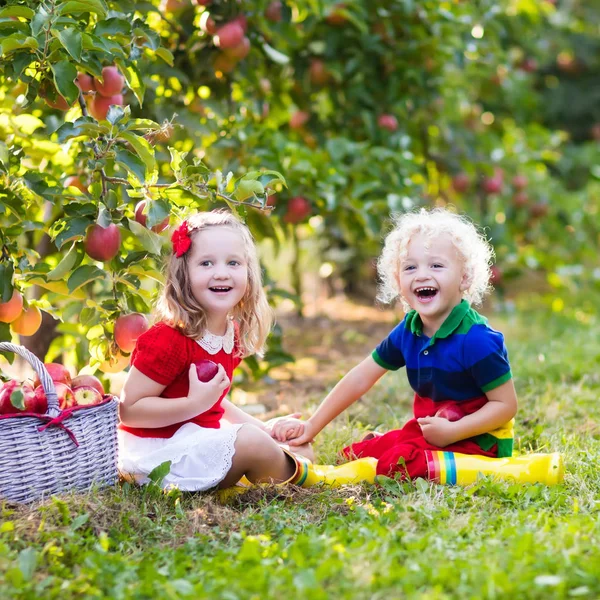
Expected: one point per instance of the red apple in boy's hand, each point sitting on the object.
(87, 381)
(206, 370)
(86, 395)
(58, 373)
(450, 413)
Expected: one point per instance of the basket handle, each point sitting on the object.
(42, 373)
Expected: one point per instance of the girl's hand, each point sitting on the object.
(286, 428)
(305, 434)
(271, 423)
(438, 431)
(207, 394)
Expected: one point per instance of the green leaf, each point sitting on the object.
(177, 160)
(17, 11)
(27, 562)
(83, 6)
(64, 77)
(65, 265)
(134, 165)
(157, 474)
(83, 275)
(247, 188)
(17, 41)
(40, 20)
(134, 80)
(143, 149)
(4, 155)
(72, 42)
(6, 286)
(166, 55)
(275, 55)
(73, 229)
(17, 399)
(152, 242)
(115, 114)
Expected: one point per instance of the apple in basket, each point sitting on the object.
(86, 395)
(206, 370)
(87, 381)
(64, 393)
(58, 373)
(29, 401)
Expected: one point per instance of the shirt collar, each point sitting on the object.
(449, 326)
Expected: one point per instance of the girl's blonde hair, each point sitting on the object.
(471, 245)
(178, 307)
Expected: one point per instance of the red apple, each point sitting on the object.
(208, 25)
(318, 73)
(64, 393)
(229, 35)
(28, 322)
(273, 11)
(112, 82)
(298, 119)
(10, 310)
(87, 381)
(99, 106)
(85, 82)
(206, 370)
(102, 243)
(449, 412)
(461, 182)
(520, 199)
(86, 395)
(539, 209)
(298, 209)
(240, 51)
(141, 218)
(128, 329)
(58, 373)
(336, 17)
(74, 181)
(519, 182)
(495, 275)
(6, 406)
(492, 185)
(388, 122)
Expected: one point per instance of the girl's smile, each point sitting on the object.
(218, 273)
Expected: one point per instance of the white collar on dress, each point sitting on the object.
(215, 343)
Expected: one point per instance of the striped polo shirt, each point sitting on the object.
(463, 360)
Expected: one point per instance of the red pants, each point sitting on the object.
(407, 443)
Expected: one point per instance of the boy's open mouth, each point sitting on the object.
(220, 289)
(426, 292)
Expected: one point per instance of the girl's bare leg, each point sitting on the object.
(259, 458)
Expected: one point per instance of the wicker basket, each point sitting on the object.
(64, 450)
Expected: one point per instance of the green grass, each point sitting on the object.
(407, 540)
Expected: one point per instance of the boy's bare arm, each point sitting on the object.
(500, 409)
(352, 386)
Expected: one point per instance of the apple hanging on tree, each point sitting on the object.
(102, 243)
(128, 329)
(10, 310)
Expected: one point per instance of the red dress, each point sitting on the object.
(164, 354)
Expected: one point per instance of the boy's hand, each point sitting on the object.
(287, 428)
(438, 431)
(207, 394)
(305, 435)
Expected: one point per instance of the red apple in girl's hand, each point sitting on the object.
(206, 370)
(450, 413)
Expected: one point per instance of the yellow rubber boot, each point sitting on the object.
(356, 471)
(462, 469)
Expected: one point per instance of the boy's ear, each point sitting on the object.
(465, 282)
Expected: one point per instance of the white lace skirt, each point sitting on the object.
(200, 457)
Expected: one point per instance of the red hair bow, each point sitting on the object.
(181, 239)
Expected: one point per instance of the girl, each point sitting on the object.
(437, 263)
(212, 307)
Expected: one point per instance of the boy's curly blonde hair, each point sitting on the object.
(178, 307)
(471, 245)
